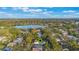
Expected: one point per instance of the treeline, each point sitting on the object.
(14, 22)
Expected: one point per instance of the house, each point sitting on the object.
(2, 27)
(11, 44)
(7, 49)
(58, 40)
(64, 44)
(77, 41)
(39, 34)
(70, 37)
(65, 33)
(37, 47)
(77, 23)
(34, 30)
(53, 34)
(66, 49)
(3, 39)
(18, 40)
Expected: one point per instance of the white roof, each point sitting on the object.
(2, 37)
(36, 42)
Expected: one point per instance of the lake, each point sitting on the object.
(29, 26)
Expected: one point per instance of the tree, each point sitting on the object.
(52, 43)
(1, 45)
(56, 46)
(74, 45)
(28, 40)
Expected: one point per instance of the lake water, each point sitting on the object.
(29, 26)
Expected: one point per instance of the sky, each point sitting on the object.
(39, 12)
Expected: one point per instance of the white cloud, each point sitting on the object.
(20, 8)
(69, 11)
(35, 10)
(24, 9)
(27, 9)
(32, 10)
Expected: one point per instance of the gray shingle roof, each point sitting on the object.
(37, 46)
